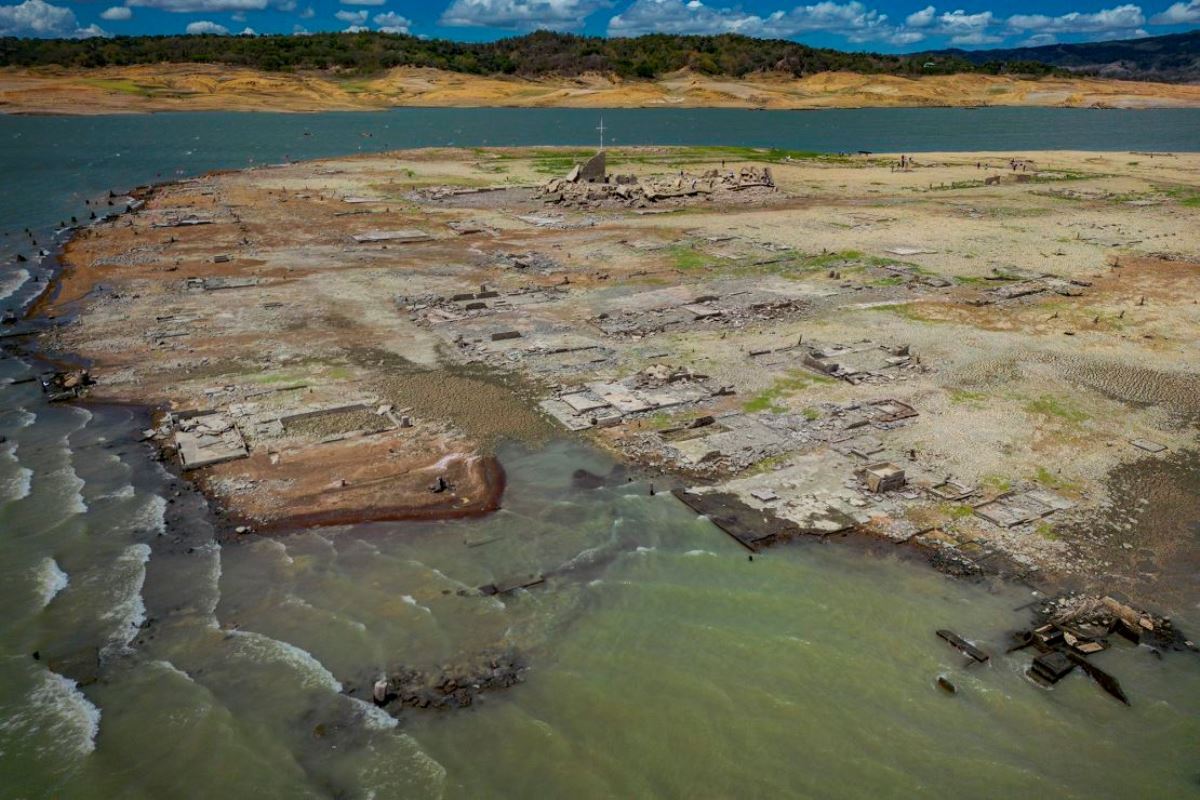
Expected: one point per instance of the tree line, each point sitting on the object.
(534, 55)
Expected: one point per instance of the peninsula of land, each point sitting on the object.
(200, 87)
(988, 357)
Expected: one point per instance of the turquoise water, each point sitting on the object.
(661, 661)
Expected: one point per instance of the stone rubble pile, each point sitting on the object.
(630, 191)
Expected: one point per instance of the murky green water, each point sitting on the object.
(661, 661)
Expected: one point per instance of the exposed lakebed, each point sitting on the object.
(657, 659)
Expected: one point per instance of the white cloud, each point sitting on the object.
(1039, 40)
(248, 31)
(521, 14)
(1179, 14)
(308, 13)
(39, 18)
(200, 6)
(300, 30)
(116, 13)
(851, 19)
(205, 26)
(921, 19)
(356, 29)
(363, 2)
(1121, 18)
(353, 17)
(392, 23)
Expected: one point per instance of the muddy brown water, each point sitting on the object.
(487, 405)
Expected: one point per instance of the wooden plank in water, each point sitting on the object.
(963, 645)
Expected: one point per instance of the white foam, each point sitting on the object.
(260, 647)
(11, 282)
(169, 667)
(373, 717)
(129, 612)
(408, 598)
(124, 493)
(50, 580)
(694, 553)
(71, 485)
(646, 549)
(17, 485)
(152, 516)
(55, 710)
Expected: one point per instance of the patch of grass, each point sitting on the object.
(685, 257)
(1049, 406)
(955, 510)
(997, 483)
(122, 85)
(1185, 196)
(1047, 531)
(966, 397)
(811, 414)
(1051, 481)
(769, 399)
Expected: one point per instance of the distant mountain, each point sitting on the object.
(1174, 58)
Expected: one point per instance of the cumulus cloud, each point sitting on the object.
(1179, 14)
(921, 19)
(116, 13)
(205, 26)
(356, 29)
(1120, 18)
(248, 31)
(308, 13)
(392, 23)
(354, 17)
(39, 18)
(300, 30)
(521, 14)
(851, 19)
(363, 2)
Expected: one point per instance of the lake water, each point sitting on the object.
(662, 663)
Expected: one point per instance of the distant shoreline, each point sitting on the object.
(187, 87)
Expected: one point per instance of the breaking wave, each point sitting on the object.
(412, 601)
(11, 282)
(129, 612)
(373, 717)
(55, 710)
(50, 580)
(264, 648)
(71, 485)
(16, 486)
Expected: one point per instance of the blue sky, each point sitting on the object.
(882, 25)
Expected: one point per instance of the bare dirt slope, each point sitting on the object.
(208, 87)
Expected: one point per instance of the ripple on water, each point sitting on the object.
(55, 712)
(50, 580)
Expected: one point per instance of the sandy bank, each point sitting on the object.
(183, 87)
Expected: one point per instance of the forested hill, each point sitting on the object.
(554, 54)
(1173, 58)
